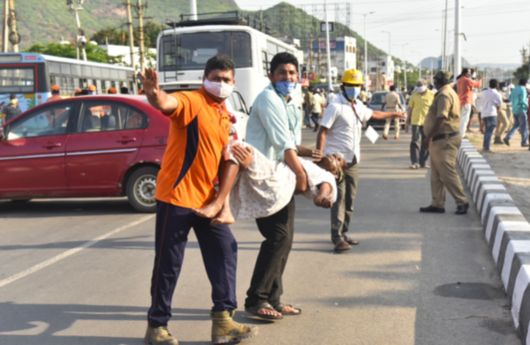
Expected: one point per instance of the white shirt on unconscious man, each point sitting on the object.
(490, 100)
(345, 129)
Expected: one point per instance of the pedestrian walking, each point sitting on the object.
(330, 97)
(465, 85)
(443, 139)
(363, 97)
(274, 128)
(12, 109)
(491, 103)
(419, 105)
(502, 117)
(392, 101)
(340, 132)
(519, 100)
(55, 94)
(308, 105)
(200, 124)
(317, 106)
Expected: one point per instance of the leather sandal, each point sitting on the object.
(280, 307)
(254, 311)
(341, 246)
(351, 241)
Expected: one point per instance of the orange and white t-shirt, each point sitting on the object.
(199, 132)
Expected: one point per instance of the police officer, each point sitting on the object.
(443, 138)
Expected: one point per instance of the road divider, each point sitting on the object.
(70, 252)
(506, 230)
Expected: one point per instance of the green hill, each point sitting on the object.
(49, 21)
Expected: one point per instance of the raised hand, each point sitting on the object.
(150, 82)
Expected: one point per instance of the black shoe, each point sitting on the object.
(316, 129)
(506, 141)
(524, 145)
(432, 209)
(462, 209)
(498, 141)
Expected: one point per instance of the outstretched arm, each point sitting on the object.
(379, 115)
(159, 99)
(294, 163)
(307, 152)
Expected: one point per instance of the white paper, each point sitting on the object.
(371, 134)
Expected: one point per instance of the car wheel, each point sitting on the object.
(141, 189)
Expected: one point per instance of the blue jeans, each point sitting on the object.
(490, 122)
(519, 120)
(307, 117)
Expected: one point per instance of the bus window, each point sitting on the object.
(122, 75)
(99, 88)
(65, 68)
(272, 48)
(54, 67)
(14, 80)
(194, 49)
(96, 72)
(76, 69)
(113, 74)
(87, 71)
(265, 63)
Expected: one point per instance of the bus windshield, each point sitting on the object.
(194, 49)
(17, 80)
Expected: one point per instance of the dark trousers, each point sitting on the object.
(219, 254)
(315, 117)
(342, 209)
(278, 230)
(417, 154)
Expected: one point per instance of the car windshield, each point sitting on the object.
(194, 49)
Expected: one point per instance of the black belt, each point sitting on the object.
(444, 136)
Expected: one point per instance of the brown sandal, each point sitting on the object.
(341, 246)
(351, 241)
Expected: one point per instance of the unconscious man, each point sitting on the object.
(266, 186)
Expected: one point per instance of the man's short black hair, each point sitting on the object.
(13, 96)
(393, 88)
(465, 71)
(283, 58)
(523, 81)
(221, 62)
(494, 83)
(124, 90)
(311, 88)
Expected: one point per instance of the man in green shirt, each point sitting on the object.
(419, 105)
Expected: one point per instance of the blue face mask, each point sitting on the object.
(91, 92)
(352, 92)
(286, 87)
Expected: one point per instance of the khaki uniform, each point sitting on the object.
(392, 102)
(444, 151)
(502, 121)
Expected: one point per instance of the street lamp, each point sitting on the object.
(405, 63)
(365, 49)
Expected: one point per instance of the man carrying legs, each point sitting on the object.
(199, 130)
(419, 105)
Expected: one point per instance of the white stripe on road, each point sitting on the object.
(70, 252)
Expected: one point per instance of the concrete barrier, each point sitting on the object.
(506, 230)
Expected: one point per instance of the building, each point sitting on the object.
(342, 55)
(381, 72)
(125, 53)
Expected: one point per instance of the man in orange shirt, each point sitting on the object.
(465, 86)
(55, 94)
(200, 125)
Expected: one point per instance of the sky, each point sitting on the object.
(496, 30)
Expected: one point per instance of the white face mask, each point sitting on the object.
(421, 89)
(220, 90)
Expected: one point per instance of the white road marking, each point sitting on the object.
(40, 327)
(70, 252)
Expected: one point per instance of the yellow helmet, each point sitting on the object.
(352, 76)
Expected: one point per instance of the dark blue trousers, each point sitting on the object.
(219, 254)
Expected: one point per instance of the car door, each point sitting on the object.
(32, 152)
(105, 143)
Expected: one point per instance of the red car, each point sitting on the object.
(89, 146)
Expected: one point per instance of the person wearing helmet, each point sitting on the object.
(78, 92)
(340, 132)
(92, 90)
(55, 94)
(112, 91)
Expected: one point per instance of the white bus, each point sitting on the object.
(30, 76)
(250, 49)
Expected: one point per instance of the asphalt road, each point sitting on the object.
(413, 279)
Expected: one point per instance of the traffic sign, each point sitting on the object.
(323, 27)
(311, 75)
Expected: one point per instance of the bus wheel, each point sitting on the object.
(141, 189)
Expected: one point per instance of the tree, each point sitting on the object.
(118, 36)
(521, 72)
(93, 52)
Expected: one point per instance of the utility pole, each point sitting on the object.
(131, 31)
(16, 37)
(328, 54)
(458, 57)
(6, 27)
(141, 31)
(365, 50)
(444, 59)
(319, 59)
(193, 9)
(311, 68)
